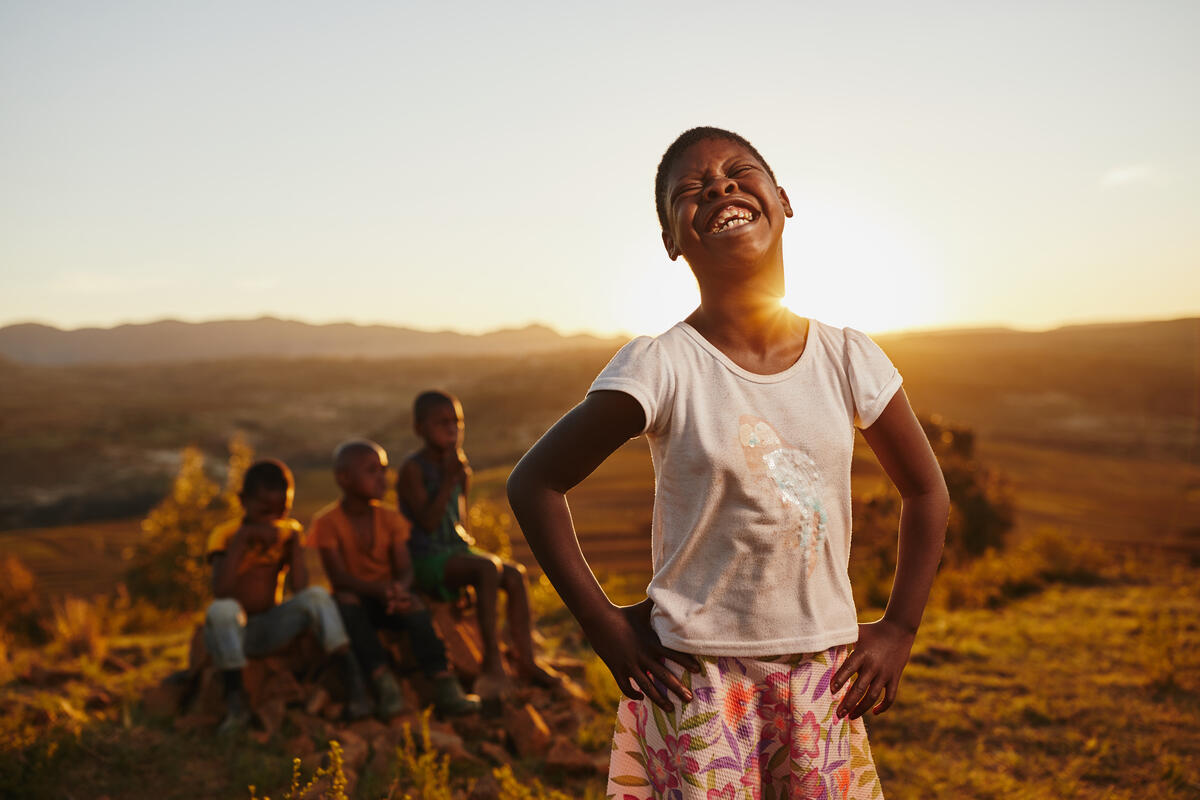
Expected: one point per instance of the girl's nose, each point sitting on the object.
(719, 186)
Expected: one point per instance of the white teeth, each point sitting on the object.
(731, 217)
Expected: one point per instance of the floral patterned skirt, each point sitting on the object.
(757, 729)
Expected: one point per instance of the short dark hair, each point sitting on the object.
(428, 401)
(269, 474)
(683, 142)
(349, 450)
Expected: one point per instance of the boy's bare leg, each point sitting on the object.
(520, 626)
(482, 572)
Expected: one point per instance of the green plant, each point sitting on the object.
(168, 562)
(19, 611)
(424, 771)
(330, 781)
(490, 525)
(600, 684)
(513, 789)
(77, 629)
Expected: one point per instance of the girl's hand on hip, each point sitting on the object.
(634, 654)
(878, 660)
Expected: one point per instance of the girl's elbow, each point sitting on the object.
(518, 485)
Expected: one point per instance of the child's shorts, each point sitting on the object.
(429, 573)
(756, 728)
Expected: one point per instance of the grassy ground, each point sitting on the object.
(1088, 692)
(1075, 691)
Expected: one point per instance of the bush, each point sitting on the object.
(77, 629)
(19, 612)
(1047, 557)
(490, 525)
(169, 567)
(981, 515)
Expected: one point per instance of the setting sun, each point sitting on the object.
(849, 269)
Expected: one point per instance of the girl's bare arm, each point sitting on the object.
(883, 647)
(564, 456)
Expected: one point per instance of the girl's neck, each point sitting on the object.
(754, 320)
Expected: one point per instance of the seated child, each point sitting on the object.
(249, 558)
(363, 548)
(432, 487)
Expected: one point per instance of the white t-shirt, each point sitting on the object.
(751, 527)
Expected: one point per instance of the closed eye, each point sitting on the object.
(684, 190)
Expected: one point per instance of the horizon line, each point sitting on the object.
(910, 330)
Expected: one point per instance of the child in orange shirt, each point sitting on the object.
(363, 546)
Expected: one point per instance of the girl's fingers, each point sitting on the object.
(628, 687)
(848, 668)
(665, 680)
(889, 696)
(685, 660)
(855, 694)
(870, 698)
(648, 685)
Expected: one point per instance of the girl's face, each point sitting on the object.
(722, 206)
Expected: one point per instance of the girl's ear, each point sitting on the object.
(669, 243)
(783, 198)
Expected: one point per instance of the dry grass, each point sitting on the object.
(1089, 692)
(77, 629)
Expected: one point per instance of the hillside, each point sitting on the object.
(1128, 387)
(173, 341)
(87, 441)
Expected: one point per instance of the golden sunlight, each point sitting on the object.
(847, 269)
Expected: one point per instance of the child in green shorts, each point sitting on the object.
(432, 488)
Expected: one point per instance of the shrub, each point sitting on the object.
(19, 612)
(981, 515)
(491, 527)
(327, 783)
(1047, 557)
(422, 769)
(513, 789)
(77, 630)
(602, 688)
(168, 567)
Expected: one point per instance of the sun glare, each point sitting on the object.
(846, 269)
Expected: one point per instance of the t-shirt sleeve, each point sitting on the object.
(640, 370)
(873, 378)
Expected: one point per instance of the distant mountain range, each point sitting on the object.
(174, 341)
(171, 341)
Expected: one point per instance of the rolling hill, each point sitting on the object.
(173, 341)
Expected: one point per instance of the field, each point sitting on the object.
(1065, 665)
(1070, 692)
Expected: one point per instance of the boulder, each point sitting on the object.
(528, 731)
(566, 755)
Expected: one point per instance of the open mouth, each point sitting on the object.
(731, 217)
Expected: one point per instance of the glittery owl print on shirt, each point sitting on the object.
(794, 477)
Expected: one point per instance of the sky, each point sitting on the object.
(480, 165)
